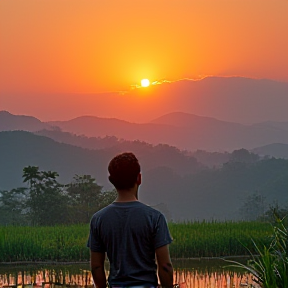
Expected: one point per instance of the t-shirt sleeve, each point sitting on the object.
(162, 234)
(95, 242)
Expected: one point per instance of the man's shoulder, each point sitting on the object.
(149, 210)
(102, 211)
(144, 206)
(118, 206)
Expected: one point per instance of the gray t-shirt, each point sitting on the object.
(129, 232)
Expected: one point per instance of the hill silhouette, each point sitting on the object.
(273, 125)
(179, 183)
(19, 149)
(208, 159)
(10, 122)
(182, 130)
(277, 150)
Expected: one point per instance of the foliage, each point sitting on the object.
(85, 197)
(270, 266)
(193, 193)
(243, 155)
(191, 239)
(215, 239)
(254, 207)
(282, 213)
(12, 206)
(44, 243)
(46, 202)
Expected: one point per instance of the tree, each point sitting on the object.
(85, 197)
(243, 155)
(13, 206)
(253, 207)
(31, 175)
(46, 201)
(276, 209)
(107, 197)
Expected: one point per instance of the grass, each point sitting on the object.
(191, 239)
(270, 266)
(216, 239)
(59, 243)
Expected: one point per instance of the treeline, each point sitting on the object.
(238, 190)
(237, 186)
(46, 202)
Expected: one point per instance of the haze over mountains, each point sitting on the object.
(185, 157)
(182, 130)
(9, 121)
(178, 182)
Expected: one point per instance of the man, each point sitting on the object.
(131, 233)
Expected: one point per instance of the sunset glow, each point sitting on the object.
(98, 47)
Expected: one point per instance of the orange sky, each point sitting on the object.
(91, 46)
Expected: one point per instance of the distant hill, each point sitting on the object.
(181, 119)
(277, 150)
(10, 122)
(273, 125)
(94, 143)
(209, 159)
(182, 130)
(19, 149)
(179, 183)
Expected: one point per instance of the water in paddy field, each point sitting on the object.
(188, 274)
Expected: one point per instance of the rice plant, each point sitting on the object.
(270, 266)
(216, 239)
(191, 239)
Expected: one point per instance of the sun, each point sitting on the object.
(145, 82)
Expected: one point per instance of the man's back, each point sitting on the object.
(129, 232)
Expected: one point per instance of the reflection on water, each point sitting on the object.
(213, 280)
(46, 276)
(187, 275)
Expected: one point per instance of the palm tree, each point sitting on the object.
(31, 174)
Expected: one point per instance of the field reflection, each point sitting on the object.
(188, 274)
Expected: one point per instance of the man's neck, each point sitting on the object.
(127, 195)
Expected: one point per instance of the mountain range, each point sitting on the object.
(185, 148)
(171, 179)
(182, 130)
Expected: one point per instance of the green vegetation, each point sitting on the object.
(58, 243)
(46, 202)
(216, 239)
(270, 266)
(191, 239)
(224, 187)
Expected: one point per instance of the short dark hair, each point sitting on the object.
(124, 170)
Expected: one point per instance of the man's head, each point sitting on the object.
(124, 171)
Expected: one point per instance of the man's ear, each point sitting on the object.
(139, 179)
(110, 179)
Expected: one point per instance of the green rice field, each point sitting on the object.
(190, 240)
